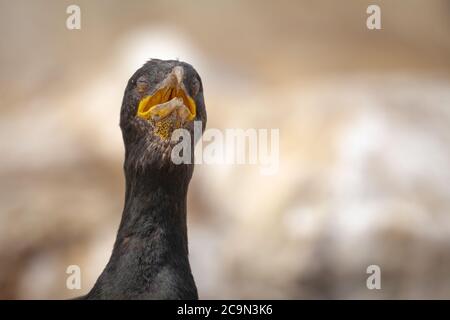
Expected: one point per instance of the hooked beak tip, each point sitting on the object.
(178, 71)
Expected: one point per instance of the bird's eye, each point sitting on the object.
(195, 87)
(142, 85)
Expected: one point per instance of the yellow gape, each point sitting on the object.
(165, 101)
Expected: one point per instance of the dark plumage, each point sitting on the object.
(150, 255)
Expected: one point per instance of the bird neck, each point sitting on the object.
(150, 255)
(155, 209)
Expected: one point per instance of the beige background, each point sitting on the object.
(364, 125)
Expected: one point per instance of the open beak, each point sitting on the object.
(169, 98)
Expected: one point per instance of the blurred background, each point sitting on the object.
(364, 119)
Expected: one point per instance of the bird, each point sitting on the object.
(150, 259)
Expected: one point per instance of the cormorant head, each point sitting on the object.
(160, 97)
